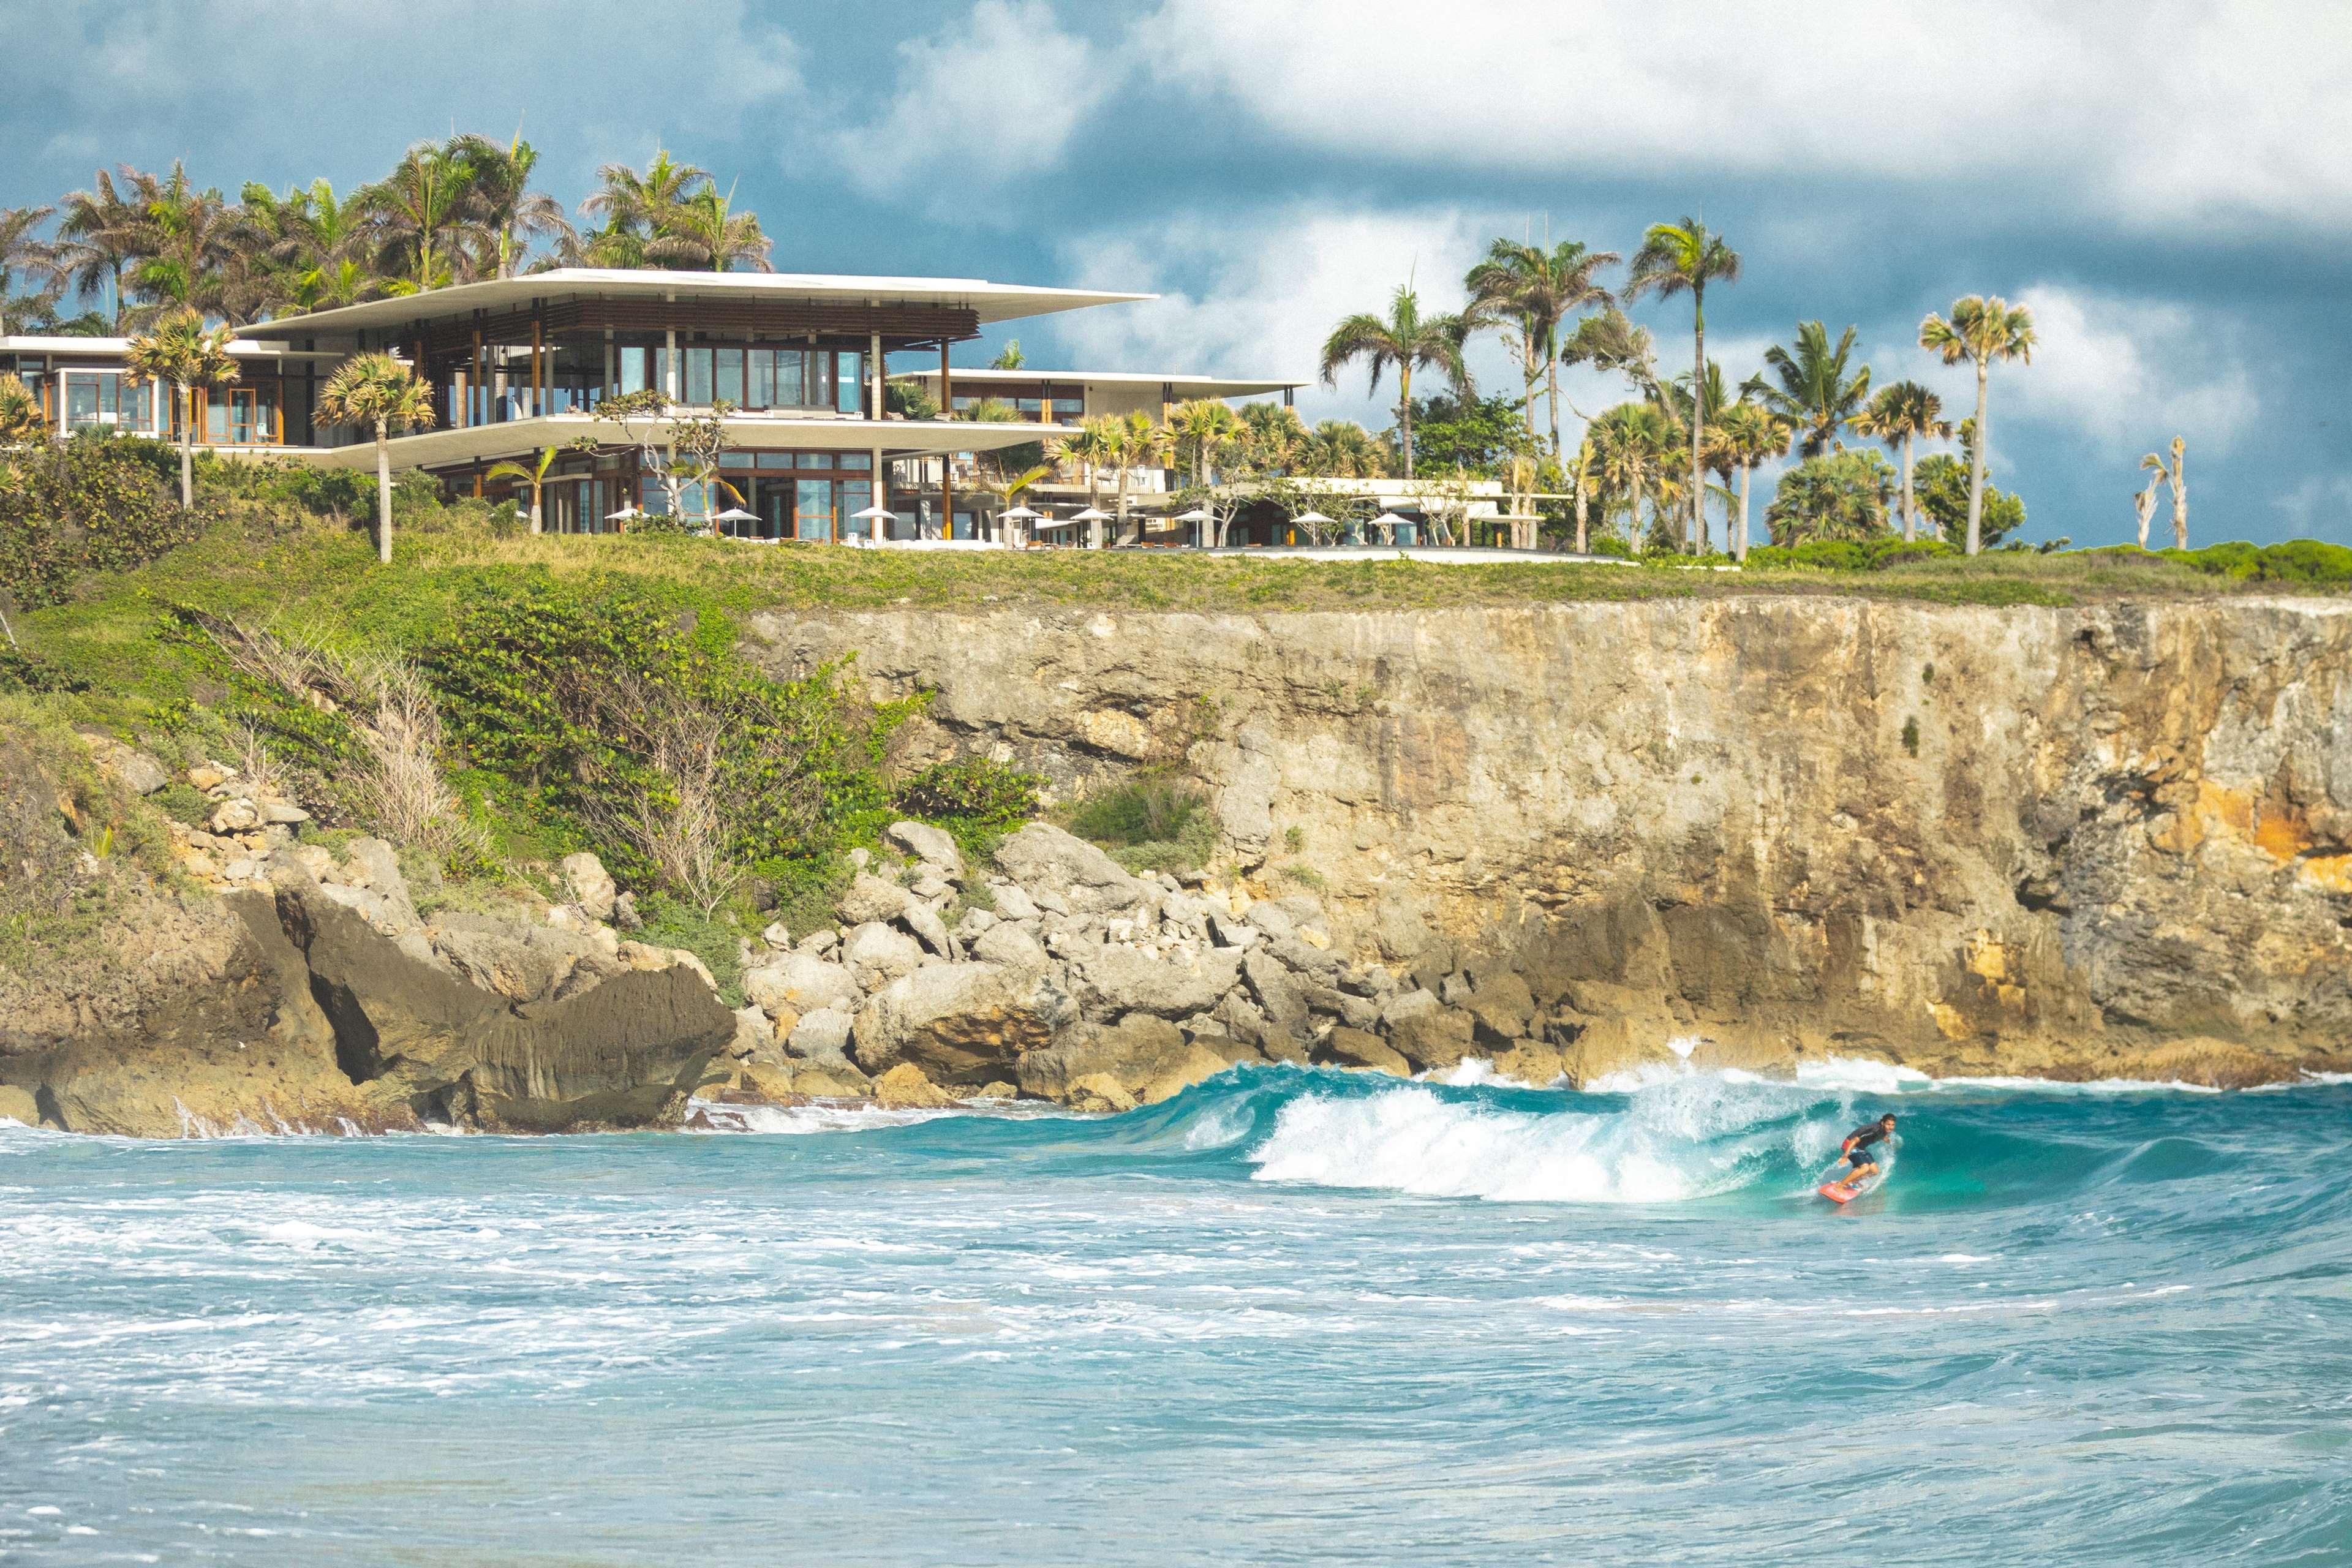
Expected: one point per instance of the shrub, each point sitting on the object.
(1608, 544)
(977, 791)
(1149, 824)
(1836, 496)
(594, 700)
(93, 503)
(1941, 483)
(2304, 560)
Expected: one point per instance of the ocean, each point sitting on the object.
(1294, 1316)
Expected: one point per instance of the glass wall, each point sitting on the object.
(107, 399)
(759, 376)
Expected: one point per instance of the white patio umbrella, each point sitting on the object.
(1195, 515)
(735, 514)
(1092, 514)
(1391, 520)
(1310, 517)
(874, 513)
(1020, 514)
(623, 515)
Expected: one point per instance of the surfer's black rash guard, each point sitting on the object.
(1862, 1138)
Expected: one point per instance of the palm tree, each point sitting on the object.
(2176, 476)
(21, 253)
(424, 213)
(1341, 449)
(1899, 414)
(1271, 436)
(1093, 449)
(1839, 495)
(510, 214)
(535, 476)
(1407, 341)
(2144, 503)
(1743, 436)
(1203, 429)
(95, 242)
(1684, 257)
(377, 392)
(705, 231)
(1009, 357)
(177, 349)
(22, 424)
(1631, 446)
(1982, 331)
(1675, 398)
(1815, 393)
(184, 239)
(1135, 442)
(642, 212)
(1538, 290)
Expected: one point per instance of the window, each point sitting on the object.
(857, 496)
(791, 367)
(859, 461)
(851, 383)
(727, 376)
(812, 509)
(816, 459)
(698, 376)
(774, 459)
(761, 393)
(1029, 404)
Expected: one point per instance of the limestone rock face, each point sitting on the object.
(1964, 838)
(1355, 1048)
(960, 1023)
(1124, 979)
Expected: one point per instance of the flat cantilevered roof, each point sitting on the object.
(1183, 385)
(990, 301)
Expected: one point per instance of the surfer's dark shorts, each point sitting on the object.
(1859, 1158)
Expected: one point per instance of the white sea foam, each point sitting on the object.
(1694, 1136)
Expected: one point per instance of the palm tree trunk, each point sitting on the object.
(1695, 532)
(1910, 507)
(534, 509)
(2180, 496)
(188, 448)
(1405, 414)
(1583, 512)
(383, 496)
(1551, 368)
(1977, 467)
(1739, 543)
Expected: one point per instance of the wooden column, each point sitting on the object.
(474, 383)
(874, 375)
(537, 376)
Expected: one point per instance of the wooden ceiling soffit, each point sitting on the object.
(899, 324)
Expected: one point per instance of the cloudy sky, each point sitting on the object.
(2167, 183)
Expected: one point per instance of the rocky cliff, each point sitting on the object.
(2109, 840)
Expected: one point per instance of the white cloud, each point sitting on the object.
(2158, 110)
(344, 86)
(2319, 508)
(2127, 372)
(1267, 289)
(995, 98)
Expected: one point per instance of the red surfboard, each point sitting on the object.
(1837, 1192)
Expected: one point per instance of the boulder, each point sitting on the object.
(1230, 932)
(1496, 1023)
(589, 884)
(15, 1104)
(754, 1035)
(764, 1082)
(1120, 980)
(625, 912)
(1100, 1094)
(386, 915)
(1147, 1057)
(960, 1023)
(1434, 1039)
(281, 814)
(1408, 1004)
(974, 922)
(1008, 945)
(1354, 1049)
(1296, 952)
(934, 847)
(821, 1036)
(136, 770)
(802, 981)
(1011, 903)
(1276, 992)
(1355, 1012)
(830, 1080)
(653, 958)
(234, 815)
(997, 1090)
(778, 936)
(1531, 1063)
(877, 954)
(904, 1088)
(869, 899)
(1042, 855)
(820, 941)
(925, 923)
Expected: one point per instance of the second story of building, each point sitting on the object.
(1066, 396)
(83, 384)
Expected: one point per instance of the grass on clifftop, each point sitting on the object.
(107, 632)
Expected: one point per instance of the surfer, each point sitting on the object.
(1856, 1147)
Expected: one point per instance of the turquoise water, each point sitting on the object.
(1291, 1317)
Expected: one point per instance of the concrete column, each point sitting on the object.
(874, 374)
(947, 459)
(669, 365)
